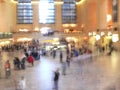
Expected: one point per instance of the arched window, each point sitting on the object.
(115, 10)
(46, 12)
(24, 12)
(69, 11)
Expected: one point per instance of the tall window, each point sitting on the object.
(46, 11)
(115, 10)
(24, 12)
(69, 11)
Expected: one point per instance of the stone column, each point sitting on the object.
(98, 14)
(3, 17)
(82, 16)
(6, 16)
(36, 24)
(101, 14)
(119, 23)
(58, 13)
(119, 12)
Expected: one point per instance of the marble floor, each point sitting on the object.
(99, 73)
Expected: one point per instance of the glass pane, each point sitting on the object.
(24, 12)
(115, 10)
(69, 11)
(46, 11)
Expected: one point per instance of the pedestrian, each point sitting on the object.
(15, 63)
(18, 63)
(56, 79)
(54, 54)
(7, 69)
(61, 56)
(63, 68)
(21, 84)
(23, 62)
(26, 54)
(31, 60)
(68, 61)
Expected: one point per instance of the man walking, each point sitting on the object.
(56, 78)
(61, 56)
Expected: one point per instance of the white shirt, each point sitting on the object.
(21, 85)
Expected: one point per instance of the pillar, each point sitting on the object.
(101, 14)
(3, 21)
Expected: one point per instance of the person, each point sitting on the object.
(54, 54)
(15, 63)
(63, 68)
(31, 60)
(21, 84)
(7, 69)
(23, 62)
(68, 61)
(18, 63)
(61, 56)
(26, 54)
(67, 51)
(56, 79)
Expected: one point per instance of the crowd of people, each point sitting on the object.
(20, 64)
(32, 53)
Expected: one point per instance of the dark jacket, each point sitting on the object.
(56, 77)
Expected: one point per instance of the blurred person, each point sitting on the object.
(54, 54)
(67, 51)
(21, 84)
(23, 60)
(18, 63)
(26, 54)
(61, 56)
(0, 50)
(68, 61)
(71, 54)
(56, 79)
(31, 60)
(7, 69)
(63, 68)
(15, 63)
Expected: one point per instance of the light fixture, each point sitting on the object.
(24, 39)
(65, 25)
(58, 2)
(23, 30)
(80, 2)
(36, 29)
(72, 25)
(109, 17)
(56, 39)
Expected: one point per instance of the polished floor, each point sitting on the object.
(99, 73)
